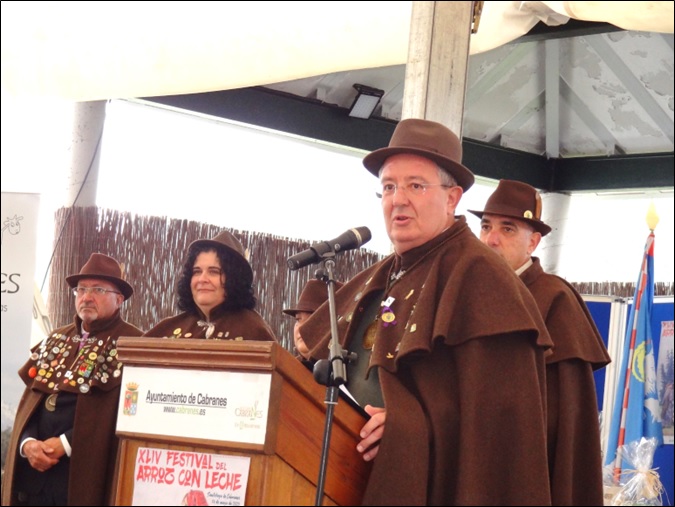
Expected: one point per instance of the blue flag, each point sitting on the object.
(636, 408)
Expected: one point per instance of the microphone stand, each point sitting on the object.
(331, 373)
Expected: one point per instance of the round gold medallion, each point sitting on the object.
(369, 335)
(50, 402)
(388, 317)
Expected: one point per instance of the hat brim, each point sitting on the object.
(540, 227)
(217, 245)
(293, 311)
(126, 289)
(464, 177)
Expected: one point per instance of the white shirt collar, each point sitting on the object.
(522, 268)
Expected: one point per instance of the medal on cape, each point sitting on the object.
(85, 368)
(369, 335)
(50, 402)
(388, 316)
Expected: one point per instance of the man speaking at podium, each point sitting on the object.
(456, 339)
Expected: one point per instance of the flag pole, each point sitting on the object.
(652, 220)
(629, 364)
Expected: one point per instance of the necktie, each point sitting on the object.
(83, 340)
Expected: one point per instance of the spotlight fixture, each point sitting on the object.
(366, 101)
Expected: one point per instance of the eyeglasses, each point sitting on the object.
(390, 189)
(97, 291)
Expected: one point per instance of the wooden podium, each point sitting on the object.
(284, 469)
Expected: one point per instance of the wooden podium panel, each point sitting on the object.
(284, 470)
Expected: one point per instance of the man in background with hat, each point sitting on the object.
(359, 388)
(313, 295)
(63, 448)
(511, 225)
(457, 342)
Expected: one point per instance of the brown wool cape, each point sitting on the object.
(462, 370)
(227, 325)
(93, 441)
(575, 457)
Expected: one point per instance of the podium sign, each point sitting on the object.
(165, 477)
(216, 405)
(227, 400)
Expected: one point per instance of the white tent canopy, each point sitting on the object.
(86, 51)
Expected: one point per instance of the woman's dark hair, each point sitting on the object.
(238, 281)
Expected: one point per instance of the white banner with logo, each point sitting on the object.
(214, 405)
(19, 237)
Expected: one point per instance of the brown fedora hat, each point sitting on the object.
(427, 139)
(226, 240)
(103, 267)
(313, 295)
(517, 200)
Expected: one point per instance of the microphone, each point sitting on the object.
(349, 240)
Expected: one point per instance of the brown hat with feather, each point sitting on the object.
(516, 199)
